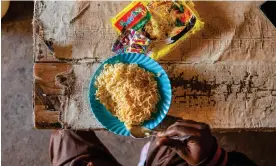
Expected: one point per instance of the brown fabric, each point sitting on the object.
(83, 148)
(77, 148)
(165, 156)
(74, 148)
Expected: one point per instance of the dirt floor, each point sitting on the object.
(23, 145)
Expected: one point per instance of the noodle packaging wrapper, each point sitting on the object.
(162, 25)
(131, 41)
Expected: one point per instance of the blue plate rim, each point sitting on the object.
(99, 69)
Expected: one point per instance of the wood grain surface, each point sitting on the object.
(224, 75)
(48, 95)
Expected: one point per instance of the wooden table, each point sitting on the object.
(225, 75)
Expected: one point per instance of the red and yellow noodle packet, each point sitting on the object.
(164, 23)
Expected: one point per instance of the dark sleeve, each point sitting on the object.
(239, 159)
(76, 148)
(220, 157)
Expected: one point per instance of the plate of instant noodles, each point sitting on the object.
(129, 89)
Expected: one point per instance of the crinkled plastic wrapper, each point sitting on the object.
(165, 24)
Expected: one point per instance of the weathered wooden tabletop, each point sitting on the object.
(225, 75)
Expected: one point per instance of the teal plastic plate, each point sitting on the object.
(111, 122)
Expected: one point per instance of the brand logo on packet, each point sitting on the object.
(135, 16)
(131, 17)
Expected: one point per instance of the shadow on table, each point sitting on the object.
(19, 10)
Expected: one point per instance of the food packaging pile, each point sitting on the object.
(154, 28)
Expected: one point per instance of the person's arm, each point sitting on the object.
(74, 148)
(201, 148)
(219, 156)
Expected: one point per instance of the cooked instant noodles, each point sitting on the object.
(128, 92)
